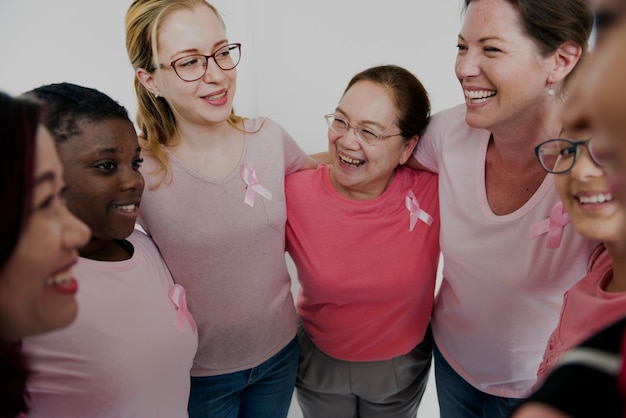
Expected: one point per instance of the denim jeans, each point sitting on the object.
(457, 398)
(265, 391)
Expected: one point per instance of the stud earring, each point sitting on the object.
(551, 91)
(157, 95)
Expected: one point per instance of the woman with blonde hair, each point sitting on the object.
(215, 206)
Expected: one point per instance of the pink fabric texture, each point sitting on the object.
(587, 308)
(367, 280)
(124, 356)
(501, 291)
(227, 253)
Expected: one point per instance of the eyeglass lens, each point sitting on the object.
(560, 155)
(343, 127)
(194, 67)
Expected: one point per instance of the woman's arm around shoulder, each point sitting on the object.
(309, 164)
(415, 165)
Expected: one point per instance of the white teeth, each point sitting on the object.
(60, 279)
(350, 161)
(217, 96)
(479, 95)
(127, 208)
(601, 198)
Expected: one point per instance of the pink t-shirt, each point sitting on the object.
(229, 256)
(124, 355)
(502, 287)
(367, 281)
(587, 308)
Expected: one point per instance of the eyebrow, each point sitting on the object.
(103, 151)
(112, 150)
(365, 122)
(483, 40)
(216, 45)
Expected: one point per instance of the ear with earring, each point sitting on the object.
(551, 90)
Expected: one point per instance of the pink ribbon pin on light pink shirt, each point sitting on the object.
(248, 175)
(553, 226)
(177, 296)
(410, 201)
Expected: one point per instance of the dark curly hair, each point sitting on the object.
(68, 104)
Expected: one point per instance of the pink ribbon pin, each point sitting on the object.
(248, 175)
(177, 296)
(553, 226)
(410, 201)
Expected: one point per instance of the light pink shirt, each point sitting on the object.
(229, 256)
(367, 280)
(587, 308)
(502, 290)
(124, 356)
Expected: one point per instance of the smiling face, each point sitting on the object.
(104, 185)
(586, 196)
(187, 32)
(503, 75)
(37, 290)
(598, 103)
(362, 171)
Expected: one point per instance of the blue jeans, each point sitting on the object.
(265, 391)
(457, 398)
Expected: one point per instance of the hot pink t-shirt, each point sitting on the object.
(366, 280)
(124, 356)
(502, 287)
(587, 308)
(229, 255)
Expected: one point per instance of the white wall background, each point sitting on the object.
(297, 55)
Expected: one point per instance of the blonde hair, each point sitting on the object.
(155, 118)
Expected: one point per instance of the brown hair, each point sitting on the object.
(550, 23)
(409, 96)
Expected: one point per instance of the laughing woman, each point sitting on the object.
(584, 188)
(509, 252)
(364, 235)
(40, 239)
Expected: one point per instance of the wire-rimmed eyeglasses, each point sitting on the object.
(193, 67)
(366, 136)
(559, 155)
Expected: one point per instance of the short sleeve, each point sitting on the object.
(295, 157)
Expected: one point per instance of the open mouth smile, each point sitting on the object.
(595, 199)
(478, 96)
(351, 161)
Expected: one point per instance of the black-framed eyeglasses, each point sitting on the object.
(193, 67)
(366, 136)
(559, 155)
